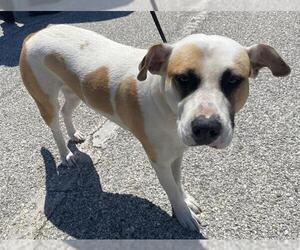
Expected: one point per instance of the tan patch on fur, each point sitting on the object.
(185, 58)
(241, 67)
(56, 63)
(242, 64)
(240, 96)
(95, 88)
(28, 37)
(129, 111)
(42, 100)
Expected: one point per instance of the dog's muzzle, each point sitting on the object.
(206, 130)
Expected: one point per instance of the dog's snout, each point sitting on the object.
(206, 130)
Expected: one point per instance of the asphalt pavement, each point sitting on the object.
(249, 190)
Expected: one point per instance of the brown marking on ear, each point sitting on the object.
(154, 61)
(128, 109)
(96, 91)
(185, 58)
(240, 96)
(42, 100)
(56, 63)
(142, 75)
(263, 55)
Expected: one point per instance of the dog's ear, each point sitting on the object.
(263, 55)
(154, 61)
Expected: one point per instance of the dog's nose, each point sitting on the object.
(206, 130)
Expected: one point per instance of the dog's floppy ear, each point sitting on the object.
(263, 55)
(154, 61)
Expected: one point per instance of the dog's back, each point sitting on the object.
(63, 55)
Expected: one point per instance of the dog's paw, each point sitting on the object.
(192, 204)
(187, 218)
(70, 160)
(77, 137)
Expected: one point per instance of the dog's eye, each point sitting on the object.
(186, 83)
(181, 78)
(234, 80)
(230, 82)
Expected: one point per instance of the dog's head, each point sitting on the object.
(206, 82)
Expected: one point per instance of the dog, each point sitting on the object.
(170, 96)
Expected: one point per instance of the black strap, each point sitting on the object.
(153, 14)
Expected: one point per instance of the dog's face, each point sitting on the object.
(207, 83)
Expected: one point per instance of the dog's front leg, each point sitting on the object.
(186, 217)
(190, 201)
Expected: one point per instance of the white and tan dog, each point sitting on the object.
(169, 97)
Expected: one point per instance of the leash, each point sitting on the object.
(157, 24)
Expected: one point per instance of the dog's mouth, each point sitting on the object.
(222, 141)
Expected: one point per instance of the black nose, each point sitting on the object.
(206, 130)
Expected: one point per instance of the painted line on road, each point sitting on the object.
(107, 131)
(192, 25)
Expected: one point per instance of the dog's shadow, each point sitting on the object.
(76, 204)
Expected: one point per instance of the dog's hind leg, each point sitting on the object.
(67, 157)
(71, 102)
(44, 89)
